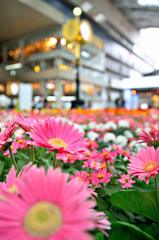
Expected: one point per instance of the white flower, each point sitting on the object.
(147, 129)
(136, 146)
(92, 135)
(121, 140)
(128, 134)
(100, 126)
(146, 124)
(110, 125)
(92, 125)
(19, 132)
(109, 137)
(123, 123)
(84, 127)
(79, 127)
(138, 131)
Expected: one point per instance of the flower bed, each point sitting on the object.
(79, 175)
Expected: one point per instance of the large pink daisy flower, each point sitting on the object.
(56, 135)
(145, 164)
(57, 210)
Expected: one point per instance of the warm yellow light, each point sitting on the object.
(133, 92)
(63, 42)
(50, 85)
(11, 53)
(77, 11)
(53, 41)
(1, 88)
(35, 86)
(70, 46)
(36, 68)
(155, 98)
(64, 67)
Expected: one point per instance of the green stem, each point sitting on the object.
(13, 159)
(156, 193)
(107, 166)
(32, 153)
(54, 159)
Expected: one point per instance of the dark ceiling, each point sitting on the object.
(18, 20)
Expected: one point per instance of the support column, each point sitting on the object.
(58, 85)
(4, 54)
(43, 88)
(58, 92)
(57, 62)
(21, 46)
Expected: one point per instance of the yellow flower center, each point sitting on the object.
(13, 189)
(43, 220)
(57, 142)
(126, 180)
(88, 175)
(20, 141)
(150, 165)
(100, 176)
(103, 165)
(69, 156)
(105, 154)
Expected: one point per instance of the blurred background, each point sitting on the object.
(79, 53)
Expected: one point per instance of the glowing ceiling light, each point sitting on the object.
(86, 30)
(13, 66)
(86, 6)
(13, 72)
(50, 85)
(14, 88)
(100, 17)
(53, 41)
(77, 11)
(36, 68)
(85, 54)
(63, 42)
(70, 46)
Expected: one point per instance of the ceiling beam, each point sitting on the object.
(45, 9)
(125, 3)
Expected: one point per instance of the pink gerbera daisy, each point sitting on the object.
(151, 136)
(126, 181)
(25, 123)
(57, 135)
(102, 222)
(5, 136)
(57, 210)
(10, 184)
(145, 164)
(101, 176)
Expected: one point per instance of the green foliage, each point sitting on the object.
(99, 236)
(142, 203)
(127, 231)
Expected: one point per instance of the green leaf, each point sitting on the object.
(101, 192)
(142, 203)
(134, 229)
(121, 234)
(126, 231)
(102, 204)
(99, 236)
